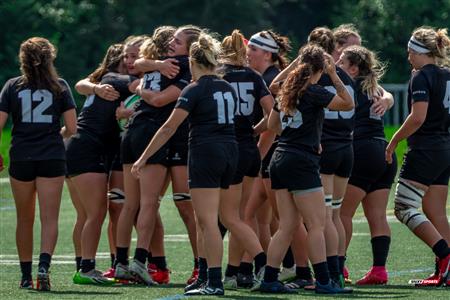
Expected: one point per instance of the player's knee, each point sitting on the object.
(408, 200)
(116, 195)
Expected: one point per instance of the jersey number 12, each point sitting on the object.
(35, 115)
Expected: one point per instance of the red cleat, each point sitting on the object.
(376, 275)
(151, 268)
(110, 273)
(193, 277)
(347, 276)
(160, 276)
(444, 270)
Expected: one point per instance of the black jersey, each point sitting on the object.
(431, 84)
(155, 81)
(269, 75)
(98, 116)
(302, 131)
(338, 125)
(36, 116)
(211, 103)
(367, 123)
(250, 88)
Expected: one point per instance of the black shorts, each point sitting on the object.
(370, 171)
(29, 170)
(249, 162)
(85, 154)
(113, 161)
(337, 162)
(294, 171)
(428, 167)
(136, 139)
(212, 165)
(265, 162)
(178, 147)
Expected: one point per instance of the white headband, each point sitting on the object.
(417, 46)
(265, 43)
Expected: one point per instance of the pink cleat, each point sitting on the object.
(376, 275)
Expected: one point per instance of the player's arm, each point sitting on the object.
(70, 123)
(281, 77)
(274, 123)
(168, 67)
(105, 91)
(266, 103)
(3, 118)
(159, 99)
(342, 100)
(412, 123)
(161, 137)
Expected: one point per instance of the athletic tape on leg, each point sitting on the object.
(181, 197)
(336, 203)
(116, 195)
(408, 200)
(328, 200)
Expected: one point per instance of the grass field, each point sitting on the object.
(408, 259)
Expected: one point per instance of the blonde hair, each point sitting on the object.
(36, 56)
(437, 41)
(371, 70)
(205, 51)
(343, 32)
(234, 49)
(134, 41)
(192, 33)
(158, 45)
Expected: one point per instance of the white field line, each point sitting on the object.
(4, 180)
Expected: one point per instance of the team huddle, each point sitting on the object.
(276, 154)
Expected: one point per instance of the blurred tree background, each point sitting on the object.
(83, 29)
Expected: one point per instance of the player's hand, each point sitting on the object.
(320, 149)
(390, 149)
(169, 67)
(136, 168)
(330, 65)
(106, 91)
(380, 105)
(122, 112)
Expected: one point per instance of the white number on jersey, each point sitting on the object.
(333, 114)
(447, 97)
(89, 100)
(291, 121)
(153, 81)
(30, 115)
(225, 107)
(246, 100)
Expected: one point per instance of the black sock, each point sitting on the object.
(333, 267)
(215, 277)
(271, 274)
(140, 254)
(341, 260)
(78, 262)
(87, 265)
(246, 268)
(196, 262)
(223, 229)
(113, 259)
(288, 260)
(122, 255)
(25, 268)
(202, 269)
(321, 272)
(441, 249)
(303, 273)
(44, 261)
(380, 249)
(150, 258)
(231, 270)
(260, 261)
(160, 262)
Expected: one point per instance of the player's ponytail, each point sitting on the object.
(110, 63)
(36, 57)
(234, 49)
(434, 43)
(284, 47)
(205, 52)
(311, 62)
(370, 69)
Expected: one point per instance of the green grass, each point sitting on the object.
(409, 258)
